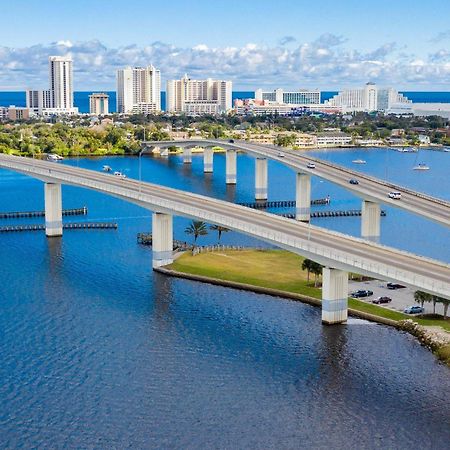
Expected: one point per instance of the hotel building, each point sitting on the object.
(59, 98)
(370, 98)
(197, 97)
(139, 90)
(99, 104)
(301, 97)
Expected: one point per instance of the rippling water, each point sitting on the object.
(97, 351)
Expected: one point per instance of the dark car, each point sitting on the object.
(380, 300)
(394, 286)
(231, 141)
(353, 181)
(361, 293)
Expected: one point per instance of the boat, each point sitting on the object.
(421, 166)
(119, 174)
(54, 157)
(106, 169)
(165, 152)
(359, 161)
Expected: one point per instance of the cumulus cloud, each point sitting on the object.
(287, 40)
(324, 62)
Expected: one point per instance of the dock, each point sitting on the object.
(282, 203)
(66, 226)
(342, 213)
(22, 214)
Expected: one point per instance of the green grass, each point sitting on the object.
(276, 269)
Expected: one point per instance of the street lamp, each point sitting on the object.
(309, 222)
(140, 164)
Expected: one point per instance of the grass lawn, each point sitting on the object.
(276, 269)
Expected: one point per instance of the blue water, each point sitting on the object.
(81, 98)
(97, 351)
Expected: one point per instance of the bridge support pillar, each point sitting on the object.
(53, 209)
(334, 295)
(187, 155)
(231, 166)
(370, 220)
(208, 160)
(303, 197)
(261, 179)
(162, 239)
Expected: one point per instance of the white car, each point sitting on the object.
(311, 165)
(395, 195)
(280, 154)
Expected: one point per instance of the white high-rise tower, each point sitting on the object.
(61, 82)
(139, 90)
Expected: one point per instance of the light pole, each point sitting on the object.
(140, 165)
(309, 222)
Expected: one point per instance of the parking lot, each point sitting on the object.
(401, 298)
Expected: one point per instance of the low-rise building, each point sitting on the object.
(333, 139)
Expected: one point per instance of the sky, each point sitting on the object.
(329, 45)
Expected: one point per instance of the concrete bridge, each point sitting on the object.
(339, 253)
(371, 190)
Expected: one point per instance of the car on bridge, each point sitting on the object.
(361, 293)
(353, 181)
(311, 165)
(395, 195)
(280, 154)
(415, 309)
(380, 300)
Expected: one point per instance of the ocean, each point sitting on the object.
(81, 98)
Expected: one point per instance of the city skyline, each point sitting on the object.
(269, 45)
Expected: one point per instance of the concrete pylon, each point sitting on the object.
(370, 220)
(261, 179)
(162, 239)
(187, 155)
(231, 166)
(208, 160)
(334, 295)
(303, 197)
(53, 209)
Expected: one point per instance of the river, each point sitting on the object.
(97, 351)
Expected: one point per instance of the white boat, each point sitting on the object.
(165, 152)
(421, 166)
(53, 157)
(106, 169)
(359, 161)
(119, 174)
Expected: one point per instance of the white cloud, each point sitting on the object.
(325, 62)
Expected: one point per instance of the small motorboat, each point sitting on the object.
(54, 157)
(359, 161)
(421, 166)
(106, 168)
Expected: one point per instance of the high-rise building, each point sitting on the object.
(99, 104)
(300, 97)
(370, 98)
(196, 97)
(138, 90)
(59, 98)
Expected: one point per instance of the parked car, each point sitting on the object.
(380, 300)
(394, 286)
(361, 293)
(311, 165)
(415, 309)
(395, 195)
(353, 181)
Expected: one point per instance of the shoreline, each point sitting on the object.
(427, 338)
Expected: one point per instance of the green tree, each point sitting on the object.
(197, 228)
(316, 269)
(422, 297)
(307, 265)
(220, 229)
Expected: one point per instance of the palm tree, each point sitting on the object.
(197, 228)
(220, 229)
(422, 297)
(306, 265)
(316, 269)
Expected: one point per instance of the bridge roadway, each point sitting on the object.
(369, 188)
(334, 250)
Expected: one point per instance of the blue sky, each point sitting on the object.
(317, 44)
